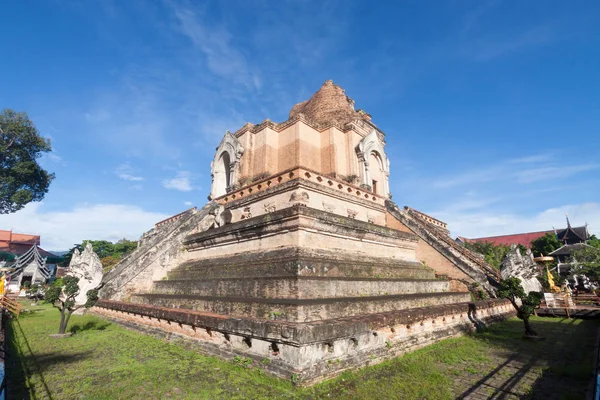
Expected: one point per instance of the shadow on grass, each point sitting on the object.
(41, 362)
(94, 325)
(566, 356)
(22, 364)
(17, 373)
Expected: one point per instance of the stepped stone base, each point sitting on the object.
(310, 291)
(302, 286)
(311, 351)
(301, 310)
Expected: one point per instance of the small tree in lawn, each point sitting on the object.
(32, 291)
(512, 290)
(63, 298)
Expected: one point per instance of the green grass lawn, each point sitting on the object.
(105, 361)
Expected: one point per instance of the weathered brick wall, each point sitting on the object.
(433, 257)
(329, 103)
(314, 352)
(392, 222)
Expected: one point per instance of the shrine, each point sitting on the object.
(301, 257)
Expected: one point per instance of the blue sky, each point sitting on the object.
(491, 109)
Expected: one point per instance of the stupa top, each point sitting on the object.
(329, 104)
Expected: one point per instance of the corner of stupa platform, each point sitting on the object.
(300, 257)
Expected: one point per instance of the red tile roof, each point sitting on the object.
(524, 239)
(19, 243)
(10, 237)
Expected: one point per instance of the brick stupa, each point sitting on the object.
(300, 257)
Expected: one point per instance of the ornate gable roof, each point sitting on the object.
(573, 234)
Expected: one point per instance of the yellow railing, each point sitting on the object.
(10, 305)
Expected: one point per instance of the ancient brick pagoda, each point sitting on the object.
(300, 257)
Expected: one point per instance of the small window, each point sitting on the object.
(374, 186)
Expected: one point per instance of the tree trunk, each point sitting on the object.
(62, 326)
(69, 313)
(528, 329)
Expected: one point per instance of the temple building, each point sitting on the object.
(573, 239)
(568, 236)
(26, 259)
(300, 256)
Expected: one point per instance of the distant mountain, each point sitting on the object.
(58, 253)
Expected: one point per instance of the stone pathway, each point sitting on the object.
(556, 368)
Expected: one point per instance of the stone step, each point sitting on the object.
(299, 287)
(301, 310)
(311, 332)
(132, 272)
(300, 262)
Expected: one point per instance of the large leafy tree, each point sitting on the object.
(103, 248)
(63, 298)
(492, 254)
(587, 261)
(512, 290)
(22, 179)
(594, 241)
(110, 253)
(124, 246)
(545, 245)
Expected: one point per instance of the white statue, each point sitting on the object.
(522, 267)
(88, 268)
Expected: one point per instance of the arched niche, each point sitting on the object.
(374, 164)
(222, 174)
(225, 166)
(377, 173)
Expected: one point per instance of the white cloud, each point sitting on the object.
(483, 223)
(60, 230)
(523, 170)
(139, 117)
(223, 59)
(99, 115)
(532, 159)
(128, 177)
(187, 203)
(473, 17)
(552, 172)
(181, 182)
(125, 172)
(473, 175)
(55, 158)
(489, 48)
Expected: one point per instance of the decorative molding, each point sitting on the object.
(246, 213)
(372, 144)
(234, 149)
(299, 197)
